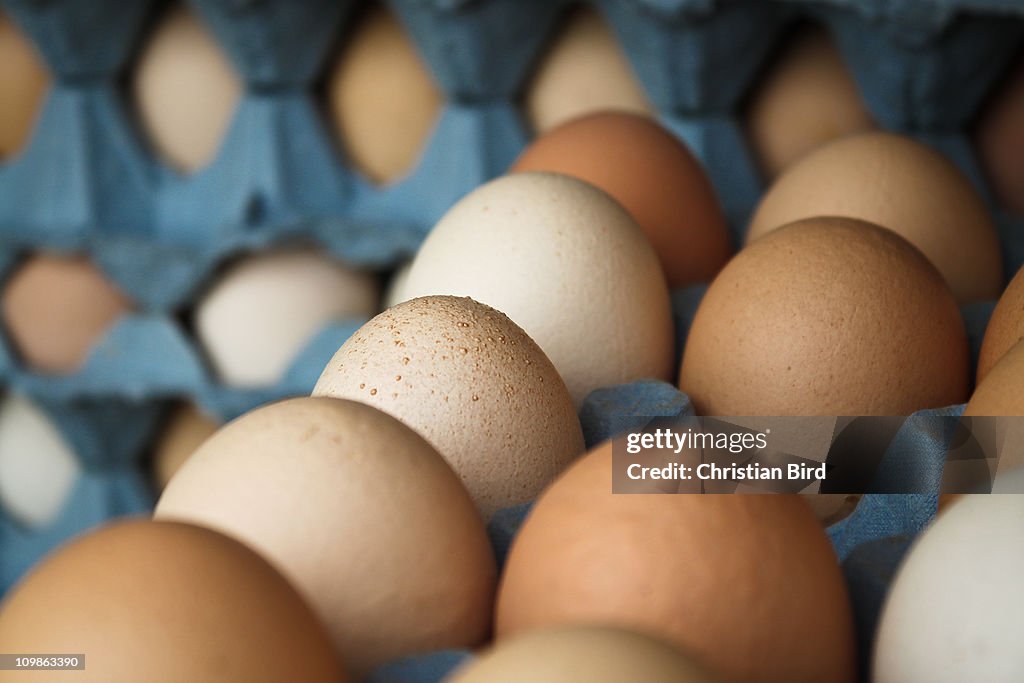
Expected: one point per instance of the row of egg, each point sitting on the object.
(383, 102)
(378, 522)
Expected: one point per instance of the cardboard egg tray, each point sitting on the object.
(88, 182)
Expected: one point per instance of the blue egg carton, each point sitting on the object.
(88, 182)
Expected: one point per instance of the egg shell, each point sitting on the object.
(473, 384)
(56, 308)
(999, 140)
(581, 654)
(24, 81)
(653, 176)
(255, 320)
(38, 468)
(382, 100)
(902, 185)
(584, 71)
(567, 264)
(807, 98)
(827, 316)
(1005, 327)
(186, 430)
(953, 612)
(185, 91)
(1001, 394)
(748, 584)
(154, 601)
(359, 512)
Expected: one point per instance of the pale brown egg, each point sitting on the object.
(187, 429)
(901, 185)
(581, 654)
(156, 601)
(382, 99)
(56, 308)
(745, 583)
(653, 176)
(185, 91)
(999, 140)
(1001, 394)
(807, 98)
(474, 384)
(584, 71)
(826, 316)
(1005, 327)
(24, 81)
(359, 512)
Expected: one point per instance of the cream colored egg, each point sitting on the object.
(37, 466)
(263, 311)
(901, 185)
(359, 512)
(807, 98)
(585, 71)
(185, 90)
(567, 264)
(581, 654)
(953, 614)
(382, 99)
(23, 84)
(181, 436)
(469, 380)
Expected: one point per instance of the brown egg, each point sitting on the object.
(474, 384)
(56, 309)
(654, 176)
(581, 654)
(585, 71)
(1005, 327)
(807, 98)
(185, 90)
(154, 601)
(745, 583)
(23, 83)
(898, 184)
(364, 517)
(382, 99)
(187, 429)
(999, 140)
(1001, 394)
(827, 316)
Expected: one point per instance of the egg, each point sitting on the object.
(748, 584)
(1001, 395)
(953, 612)
(265, 308)
(567, 264)
(898, 184)
(381, 98)
(24, 81)
(187, 428)
(56, 308)
(653, 176)
(807, 98)
(156, 601)
(999, 140)
(826, 316)
(359, 512)
(185, 91)
(584, 71)
(581, 654)
(38, 468)
(393, 292)
(1005, 327)
(469, 380)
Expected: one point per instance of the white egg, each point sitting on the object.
(956, 609)
(263, 312)
(566, 263)
(37, 467)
